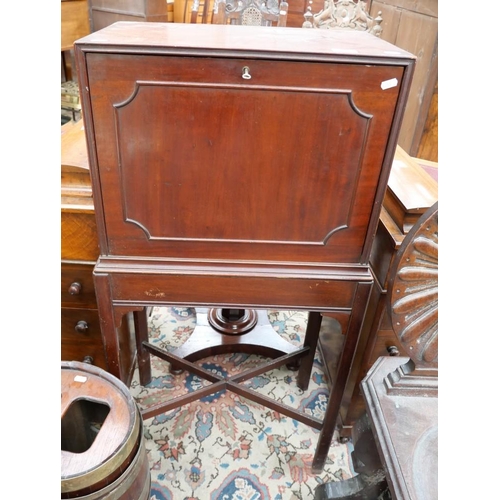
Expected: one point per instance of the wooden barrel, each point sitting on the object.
(103, 453)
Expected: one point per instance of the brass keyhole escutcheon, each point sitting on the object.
(246, 73)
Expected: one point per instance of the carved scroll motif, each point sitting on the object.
(343, 14)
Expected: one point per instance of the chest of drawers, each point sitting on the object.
(80, 329)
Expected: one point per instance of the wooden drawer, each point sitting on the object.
(265, 292)
(77, 285)
(75, 346)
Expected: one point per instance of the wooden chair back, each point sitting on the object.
(343, 14)
(251, 12)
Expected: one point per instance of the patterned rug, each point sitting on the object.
(225, 447)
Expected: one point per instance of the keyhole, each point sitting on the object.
(246, 73)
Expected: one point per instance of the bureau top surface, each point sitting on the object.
(241, 40)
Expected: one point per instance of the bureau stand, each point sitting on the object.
(238, 169)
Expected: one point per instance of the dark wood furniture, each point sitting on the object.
(396, 445)
(80, 329)
(402, 398)
(205, 195)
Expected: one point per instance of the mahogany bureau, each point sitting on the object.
(239, 167)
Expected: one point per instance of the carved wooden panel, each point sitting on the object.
(401, 393)
(251, 12)
(413, 292)
(344, 14)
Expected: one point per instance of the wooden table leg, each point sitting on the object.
(143, 356)
(311, 341)
(334, 401)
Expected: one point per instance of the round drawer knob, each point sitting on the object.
(89, 360)
(75, 288)
(393, 350)
(81, 327)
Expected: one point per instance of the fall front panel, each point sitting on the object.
(205, 163)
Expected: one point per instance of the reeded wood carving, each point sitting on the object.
(343, 14)
(413, 291)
